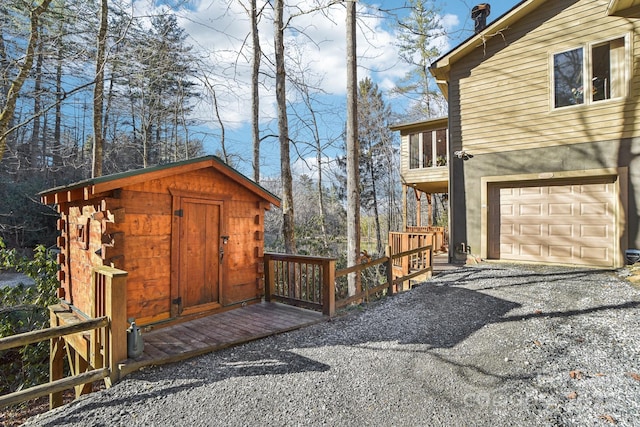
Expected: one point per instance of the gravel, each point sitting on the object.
(487, 345)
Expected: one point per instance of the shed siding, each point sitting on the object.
(506, 84)
(148, 259)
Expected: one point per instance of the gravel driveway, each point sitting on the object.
(488, 345)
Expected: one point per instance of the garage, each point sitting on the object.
(565, 222)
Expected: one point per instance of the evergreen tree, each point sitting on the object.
(417, 38)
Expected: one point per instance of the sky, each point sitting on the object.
(218, 31)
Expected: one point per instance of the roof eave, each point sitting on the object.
(91, 188)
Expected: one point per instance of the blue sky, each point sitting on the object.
(218, 30)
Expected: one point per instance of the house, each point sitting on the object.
(544, 115)
(189, 235)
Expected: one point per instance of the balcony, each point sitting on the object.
(424, 155)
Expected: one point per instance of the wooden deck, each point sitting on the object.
(207, 334)
(441, 264)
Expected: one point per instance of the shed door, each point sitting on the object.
(568, 223)
(199, 256)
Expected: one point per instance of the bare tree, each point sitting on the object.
(8, 110)
(255, 100)
(353, 150)
(288, 226)
(98, 91)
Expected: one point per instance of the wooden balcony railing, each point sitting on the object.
(440, 242)
(310, 282)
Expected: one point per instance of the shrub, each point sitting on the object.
(22, 309)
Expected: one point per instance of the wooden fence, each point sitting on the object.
(310, 282)
(59, 385)
(91, 357)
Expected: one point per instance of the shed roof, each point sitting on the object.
(89, 188)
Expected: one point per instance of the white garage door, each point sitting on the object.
(568, 223)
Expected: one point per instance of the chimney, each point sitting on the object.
(479, 14)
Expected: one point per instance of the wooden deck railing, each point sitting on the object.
(440, 241)
(91, 357)
(310, 282)
(54, 334)
(300, 280)
(408, 242)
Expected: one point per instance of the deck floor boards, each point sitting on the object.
(218, 331)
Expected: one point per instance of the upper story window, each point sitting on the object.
(428, 149)
(589, 74)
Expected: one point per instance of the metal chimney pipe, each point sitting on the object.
(479, 14)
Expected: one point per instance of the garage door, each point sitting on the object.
(568, 223)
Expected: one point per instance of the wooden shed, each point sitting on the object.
(189, 235)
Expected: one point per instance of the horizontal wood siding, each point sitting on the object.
(506, 101)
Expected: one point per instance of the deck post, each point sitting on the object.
(269, 277)
(389, 265)
(405, 245)
(56, 357)
(329, 287)
(116, 311)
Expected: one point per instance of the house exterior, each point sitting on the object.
(189, 235)
(544, 115)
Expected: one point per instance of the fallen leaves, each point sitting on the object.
(634, 375)
(608, 418)
(576, 374)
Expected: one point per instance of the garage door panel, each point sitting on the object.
(570, 223)
(530, 209)
(593, 254)
(507, 249)
(530, 191)
(595, 231)
(534, 250)
(560, 209)
(560, 230)
(565, 189)
(560, 251)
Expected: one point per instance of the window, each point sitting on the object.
(428, 149)
(414, 151)
(605, 76)
(441, 147)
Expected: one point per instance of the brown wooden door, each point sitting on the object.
(199, 255)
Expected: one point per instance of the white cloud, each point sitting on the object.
(220, 33)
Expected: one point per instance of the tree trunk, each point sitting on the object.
(323, 218)
(288, 229)
(34, 142)
(376, 213)
(353, 153)
(255, 101)
(57, 130)
(98, 92)
(6, 115)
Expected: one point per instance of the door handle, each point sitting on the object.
(221, 253)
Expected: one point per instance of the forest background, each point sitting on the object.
(152, 82)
